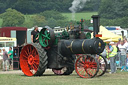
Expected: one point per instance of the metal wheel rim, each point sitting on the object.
(44, 37)
(29, 60)
(87, 68)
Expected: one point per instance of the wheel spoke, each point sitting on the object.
(81, 59)
(89, 71)
(81, 69)
(25, 57)
(80, 64)
(82, 72)
(36, 58)
(37, 63)
(33, 51)
(26, 53)
(48, 38)
(47, 42)
(43, 35)
(45, 32)
(44, 42)
(30, 48)
(35, 67)
(32, 69)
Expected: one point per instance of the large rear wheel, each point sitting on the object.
(86, 66)
(33, 60)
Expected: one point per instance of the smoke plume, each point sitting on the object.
(77, 5)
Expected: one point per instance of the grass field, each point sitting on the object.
(119, 78)
(78, 16)
(0, 22)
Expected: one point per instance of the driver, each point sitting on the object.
(34, 35)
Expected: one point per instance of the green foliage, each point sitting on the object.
(2, 7)
(92, 5)
(28, 21)
(115, 22)
(1, 21)
(37, 6)
(53, 14)
(111, 9)
(54, 18)
(38, 20)
(12, 18)
(114, 13)
(51, 23)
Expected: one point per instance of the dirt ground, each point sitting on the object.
(11, 72)
(20, 71)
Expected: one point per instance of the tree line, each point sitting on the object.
(48, 12)
(114, 13)
(37, 6)
(50, 18)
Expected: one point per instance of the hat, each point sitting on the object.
(35, 27)
(3, 48)
(119, 39)
(111, 43)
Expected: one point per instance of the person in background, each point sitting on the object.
(1, 59)
(111, 54)
(10, 58)
(119, 40)
(34, 35)
(122, 49)
(5, 60)
(126, 44)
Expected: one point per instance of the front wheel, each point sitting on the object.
(86, 66)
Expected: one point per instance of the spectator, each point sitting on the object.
(118, 42)
(112, 52)
(1, 59)
(118, 51)
(126, 44)
(34, 35)
(5, 60)
(10, 56)
(122, 49)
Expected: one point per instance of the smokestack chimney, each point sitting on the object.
(95, 24)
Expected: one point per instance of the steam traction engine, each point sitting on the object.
(59, 51)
